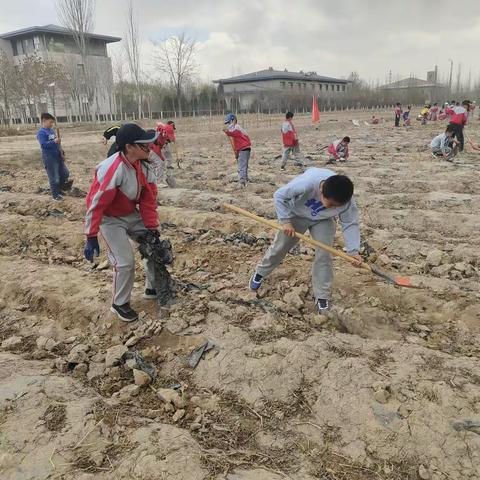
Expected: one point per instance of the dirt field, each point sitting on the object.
(387, 386)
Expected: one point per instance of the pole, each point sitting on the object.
(451, 73)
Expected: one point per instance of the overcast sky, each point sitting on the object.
(331, 37)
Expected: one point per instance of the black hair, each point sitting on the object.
(46, 116)
(338, 188)
(346, 139)
(398, 103)
(450, 128)
(171, 122)
(289, 115)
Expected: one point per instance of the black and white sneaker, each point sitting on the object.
(150, 293)
(58, 198)
(322, 305)
(124, 312)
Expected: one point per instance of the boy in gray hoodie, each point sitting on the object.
(312, 201)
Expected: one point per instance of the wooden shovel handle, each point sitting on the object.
(301, 236)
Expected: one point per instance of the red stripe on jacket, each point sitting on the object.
(105, 196)
(289, 138)
(241, 140)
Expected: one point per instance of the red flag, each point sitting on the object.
(315, 111)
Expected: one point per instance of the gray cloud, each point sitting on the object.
(332, 37)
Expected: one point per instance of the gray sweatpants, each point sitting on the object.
(165, 173)
(297, 154)
(322, 269)
(243, 158)
(116, 232)
(448, 150)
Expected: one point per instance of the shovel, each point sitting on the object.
(399, 281)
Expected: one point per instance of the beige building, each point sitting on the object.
(57, 43)
(246, 90)
(416, 90)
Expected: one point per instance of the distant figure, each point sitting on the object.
(458, 120)
(107, 135)
(424, 114)
(406, 116)
(444, 145)
(398, 113)
(241, 145)
(52, 158)
(290, 142)
(338, 150)
(165, 167)
(434, 112)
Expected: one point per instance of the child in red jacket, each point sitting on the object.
(241, 144)
(338, 150)
(122, 204)
(290, 142)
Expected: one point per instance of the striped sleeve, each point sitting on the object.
(100, 197)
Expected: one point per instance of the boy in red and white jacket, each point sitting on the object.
(338, 150)
(458, 120)
(290, 142)
(161, 154)
(398, 113)
(241, 145)
(122, 204)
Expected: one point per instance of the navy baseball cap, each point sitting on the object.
(131, 133)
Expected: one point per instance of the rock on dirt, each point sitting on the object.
(126, 393)
(178, 415)
(434, 258)
(78, 354)
(423, 473)
(114, 355)
(11, 343)
(141, 378)
(171, 397)
(44, 343)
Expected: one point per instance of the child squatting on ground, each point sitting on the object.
(444, 145)
(290, 142)
(122, 204)
(312, 201)
(242, 146)
(338, 150)
(52, 158)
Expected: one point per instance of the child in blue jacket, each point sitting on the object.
(52, 158)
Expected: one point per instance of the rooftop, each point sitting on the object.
(56, 29)
(411, 82)
(271, 74)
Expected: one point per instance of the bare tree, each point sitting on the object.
(78, 17)
(132, 47)
(176, 58)
(118, 66)
(8, 86)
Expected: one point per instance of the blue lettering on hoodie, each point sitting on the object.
(316, 206)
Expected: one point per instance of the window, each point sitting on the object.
(282, 84)
(291, 84)
(338, 88)
(343, 88)
(14, 48)
(25, 46)
(320, 86)
(55, 45)
(19, 47)
(36, 43)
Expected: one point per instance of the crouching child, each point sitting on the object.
(338, 150)
(312, 201)
(444, 145)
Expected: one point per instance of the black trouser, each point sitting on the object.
(397, 120)
(458, 134)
